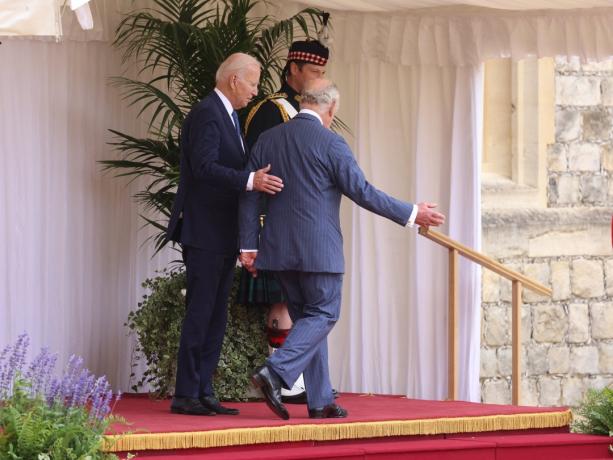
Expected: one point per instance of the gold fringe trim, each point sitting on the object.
(333, 432)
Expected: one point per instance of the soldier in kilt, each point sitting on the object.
(306, 61)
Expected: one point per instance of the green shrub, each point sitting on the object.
(595, 415)
(157, 325)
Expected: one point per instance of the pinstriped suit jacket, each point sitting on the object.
(302, 230)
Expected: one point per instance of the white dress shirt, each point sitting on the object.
(228, 105)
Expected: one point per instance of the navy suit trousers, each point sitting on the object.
(314, 304)
(209, 280)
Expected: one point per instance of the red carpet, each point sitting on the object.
(155, 417)
(377, 427)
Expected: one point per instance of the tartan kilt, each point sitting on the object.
(264, 290)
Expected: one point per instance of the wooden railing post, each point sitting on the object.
(452, 327)
(519, 281)
(516, 342)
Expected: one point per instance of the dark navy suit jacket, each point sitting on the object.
(302, 230)
(204, 214)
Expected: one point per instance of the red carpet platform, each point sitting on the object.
(377, 427)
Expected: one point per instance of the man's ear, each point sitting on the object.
(332, 109)
(293, 68)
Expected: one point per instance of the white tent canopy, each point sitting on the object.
(383, 6)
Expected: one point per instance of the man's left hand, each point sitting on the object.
(267, 183)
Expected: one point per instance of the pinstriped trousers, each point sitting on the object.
(314, 304)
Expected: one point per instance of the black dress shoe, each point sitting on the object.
(329, 411)
(266, 380)
(212, 404)
(189, 406)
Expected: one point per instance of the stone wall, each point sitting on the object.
(567, 340)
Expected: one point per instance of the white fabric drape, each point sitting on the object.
(72, 260)
(412, 127)
(410, 84)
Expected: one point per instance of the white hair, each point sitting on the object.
(236, 63)
(322, 97)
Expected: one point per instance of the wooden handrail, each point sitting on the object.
(518, 281)
(484, 260)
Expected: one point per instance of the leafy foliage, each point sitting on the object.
(33, 430)
(178, 46)
(157, 325)
(595, 415)
(44, 417)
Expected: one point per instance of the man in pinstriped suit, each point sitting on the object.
(302, 242)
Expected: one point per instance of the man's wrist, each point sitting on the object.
(249, 186)
(412, 217)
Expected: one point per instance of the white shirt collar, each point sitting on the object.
(226, 102)
(312, 112)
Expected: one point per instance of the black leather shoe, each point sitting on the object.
(266, 380)
(329, 411)
(212, 404)
(188, 406)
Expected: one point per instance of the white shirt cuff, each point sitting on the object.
(411, 221)
(248, 250)
(250, 181)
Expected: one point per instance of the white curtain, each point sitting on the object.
(71, 249)
(413, 134)
(410, 83)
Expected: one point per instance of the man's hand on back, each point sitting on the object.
(267, 183)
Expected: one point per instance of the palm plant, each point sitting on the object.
(177, 46)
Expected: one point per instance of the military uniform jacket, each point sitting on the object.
(268, 113)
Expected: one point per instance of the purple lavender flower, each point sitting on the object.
(97, 397)
(77, 387)
(14, 366)
(73, 368)
(18, 357)
(5, 381)
(82, 389)
(53, 391)
(39, 372)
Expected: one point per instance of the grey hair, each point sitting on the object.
(322, 97)
(236, 63)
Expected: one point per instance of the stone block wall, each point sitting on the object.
(580, 163)
(567, 340)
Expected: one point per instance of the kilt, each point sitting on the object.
(264, 290)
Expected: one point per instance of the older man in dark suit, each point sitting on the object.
(301, 240)
(204, 220)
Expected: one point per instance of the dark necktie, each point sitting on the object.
(237, 127)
